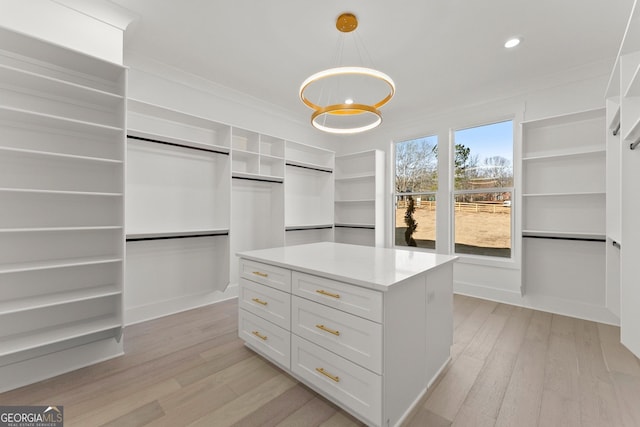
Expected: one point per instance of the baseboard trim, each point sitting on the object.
(545, 303)
(144, 313)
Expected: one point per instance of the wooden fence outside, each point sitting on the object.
(488, 207)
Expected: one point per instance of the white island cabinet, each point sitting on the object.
(368, 328)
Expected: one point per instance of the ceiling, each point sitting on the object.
(441, 53)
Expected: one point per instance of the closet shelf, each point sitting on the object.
(59, 263)
(356, 201)
(59, 298)
(633, 89)
(576, 153)
(355, 177)
(58, 229)
(59, 192)
(244, 153)
(580, 193)
(37, 153)
(57, 122)
(51, 335)
(60, 88)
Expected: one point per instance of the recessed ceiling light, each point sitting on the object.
(512, 42)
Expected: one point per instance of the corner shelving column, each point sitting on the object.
(62, 117)
(309, 194)
(627, 73)
(178, 219)
(359, 198)
(564, 208)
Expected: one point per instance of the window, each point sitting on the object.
(416, 183)
(483, 190)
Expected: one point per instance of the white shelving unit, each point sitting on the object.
(564, 206)
(623, 185)
(178, 209)
(62, 116)
(309, 194)
(359, 198)
(257, 156)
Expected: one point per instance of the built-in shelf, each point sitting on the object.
(565, 155)
(58, 229)
(582, 193)
(10, 114)
(356, 201)
(633, 89)
(51, 335)
(363, 176)
(58, 263)
(56, 87)
(61, 192)
(59, 298)
(38, 153)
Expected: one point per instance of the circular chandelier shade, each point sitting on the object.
(344, 71)
(357, 113)
(346, 109)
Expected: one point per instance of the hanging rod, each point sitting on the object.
(616, 130)
(617, 245)
(175, 144)
(364, 227)
(319, 169)
(308, 227)
(169, 236)
(633, 145)
(248, 178)
(580, 239)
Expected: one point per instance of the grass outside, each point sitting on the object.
(479, 233)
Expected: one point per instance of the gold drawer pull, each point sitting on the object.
(331, 331)
(329, 294)
(328, 375)
(259, 301)
(259, 335)
(257, 273)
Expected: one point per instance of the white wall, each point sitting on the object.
(576, 90)
(60, 24)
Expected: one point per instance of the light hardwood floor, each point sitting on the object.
(510, 367)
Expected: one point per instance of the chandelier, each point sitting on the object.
(347, 99)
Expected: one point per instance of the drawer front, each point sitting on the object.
(353, 299)
(270, 275)
(352, 337)
(354, 387)
(265, 337)
(266, 302)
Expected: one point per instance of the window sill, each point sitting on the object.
(486, 261)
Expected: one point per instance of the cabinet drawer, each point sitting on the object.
(354, 338)
(354, 387)
(353, 299)
(266, 338)
(270, 275)
(266, 302)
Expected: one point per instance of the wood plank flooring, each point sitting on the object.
(510, 366)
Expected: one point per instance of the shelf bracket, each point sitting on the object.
(633, 145)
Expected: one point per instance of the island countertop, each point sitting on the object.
(366, 266)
